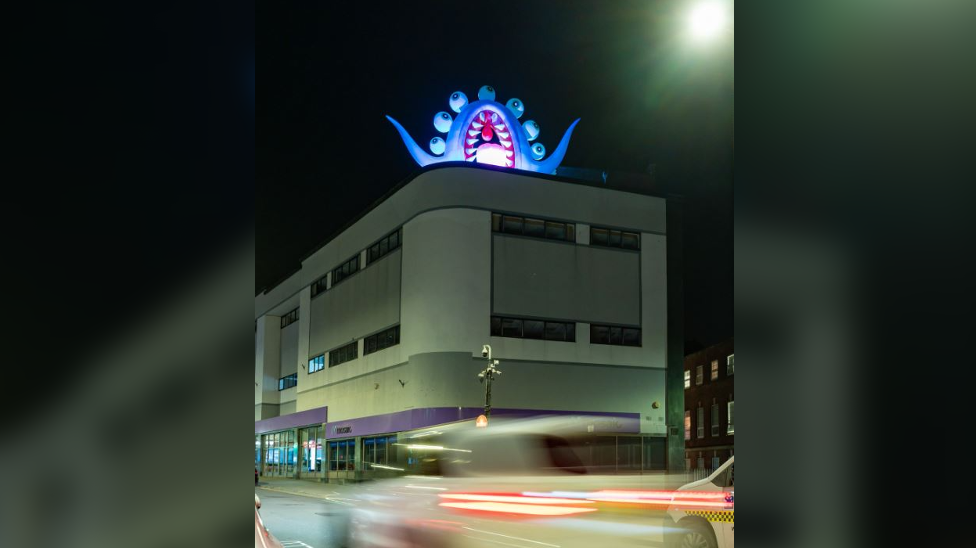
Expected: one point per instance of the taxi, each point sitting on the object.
(702, 513)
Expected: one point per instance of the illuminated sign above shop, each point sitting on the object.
(487, 132)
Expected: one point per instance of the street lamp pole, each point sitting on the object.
(487, 376)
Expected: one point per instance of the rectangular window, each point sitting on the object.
(285, 383)
(731, 427)
(730, 364)
(533, 228)
(320, 285)
(699, 375)
(520, 328)
(714, 376)
(687, 425)
(345, 270)
(608, 237)
(533, 329)
(715, 420)
(316, 364)
(701, 422)
(688, 379)
(385, 246)
(615, 335)
(289, 318)
(381, 340)
(344, 354)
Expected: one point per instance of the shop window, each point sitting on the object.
(342, 455)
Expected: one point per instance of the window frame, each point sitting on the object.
(499, 324)
(730, 365)
(337, 273)
(319, 366)
(699, 375)
(700, 426)
(341, 354)
(544, 229)
(715, 420)
(713, 375)
(616, 334)
(687, 424)
(604, 236)
(292, 377)
(391, 245)
(730, 426)
(687, 379)
(381, 340)
(289, 318)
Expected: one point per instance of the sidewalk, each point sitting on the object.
(306, 488)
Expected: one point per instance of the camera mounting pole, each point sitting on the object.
(487, 376)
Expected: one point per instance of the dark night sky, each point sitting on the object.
(646, 94)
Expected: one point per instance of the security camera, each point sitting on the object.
(485, 351)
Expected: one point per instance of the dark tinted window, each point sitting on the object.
(630, 241)
(344, 354)
(614, 238)
(616, 335)
(598, 236)
(535, 228)
(555, 231)
(496, 326)
(599, 334)
(632, 337)
(533, 329)
(512, 225)
(556, 331)
(511, 327)
(381, 340)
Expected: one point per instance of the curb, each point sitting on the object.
(291, 492)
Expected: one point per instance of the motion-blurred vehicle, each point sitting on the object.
(262, 537)
(518, 483)
(702, 513)
(255, 476)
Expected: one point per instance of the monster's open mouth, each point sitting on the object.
(489, 141)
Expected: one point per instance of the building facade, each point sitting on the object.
(380, 332)
(709, 425)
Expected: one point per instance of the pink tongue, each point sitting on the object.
(486, 132)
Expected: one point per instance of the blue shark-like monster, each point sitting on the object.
(487, 132)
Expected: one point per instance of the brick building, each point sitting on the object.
(709, 428)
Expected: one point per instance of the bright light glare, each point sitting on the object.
(707, 19)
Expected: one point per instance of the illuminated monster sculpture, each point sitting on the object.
(487, 132)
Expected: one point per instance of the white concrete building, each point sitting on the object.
(381, 329)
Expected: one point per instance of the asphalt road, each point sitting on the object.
(299, 522)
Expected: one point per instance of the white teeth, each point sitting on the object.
(471, 141)
(506, 144)
(481, 116)
(470, 150)
(509, 153)
(472, 158)
(494, 117)
(502, 135)
(477, 125)
(473, 132)
(509, 163)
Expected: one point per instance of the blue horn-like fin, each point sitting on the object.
(549, 165)
(420, 155)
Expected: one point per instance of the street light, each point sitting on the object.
(707, 19)
(487, 376)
